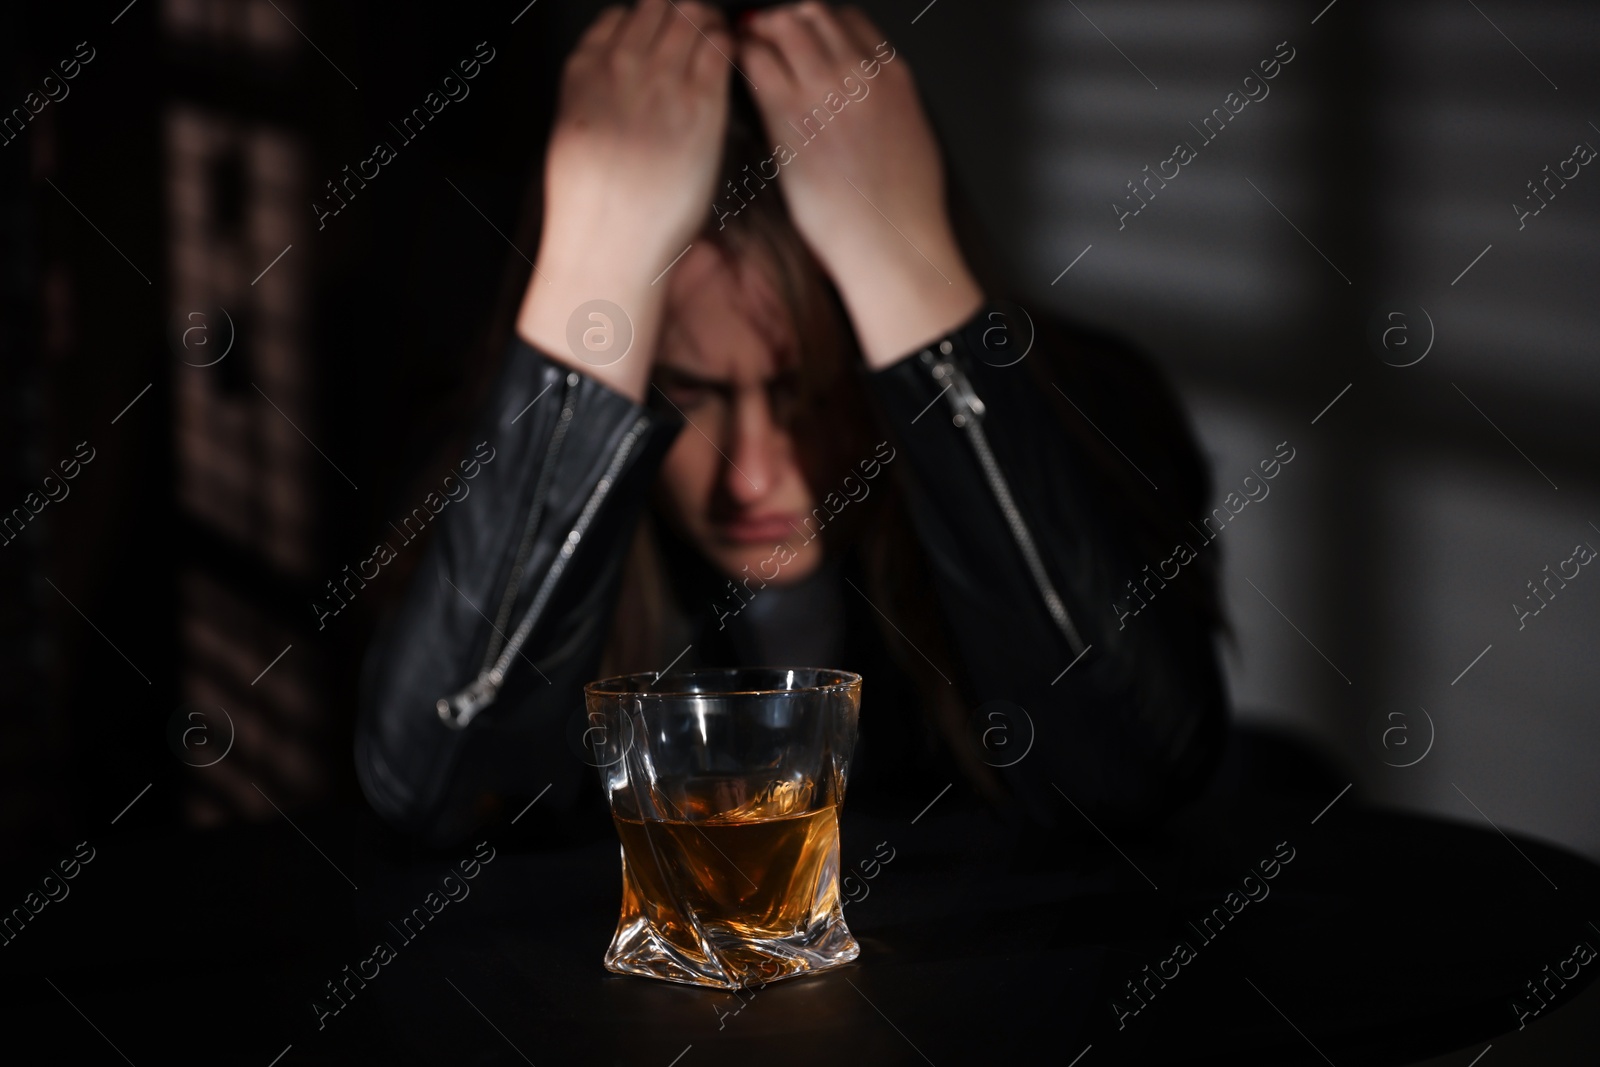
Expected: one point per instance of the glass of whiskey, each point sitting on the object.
(725, 787)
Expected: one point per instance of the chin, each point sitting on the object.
(759, 562)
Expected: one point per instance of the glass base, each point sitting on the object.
(722, 959)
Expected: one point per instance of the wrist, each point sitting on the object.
(901, 299)
(594, 309)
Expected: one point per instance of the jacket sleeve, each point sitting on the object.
(469, 687)
(1032, 546)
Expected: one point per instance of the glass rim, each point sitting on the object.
(619, 685)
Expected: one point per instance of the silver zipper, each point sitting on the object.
(460, 709)
(535, 512)
(969, 411)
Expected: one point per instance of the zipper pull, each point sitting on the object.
(965, 401)
(458, 710)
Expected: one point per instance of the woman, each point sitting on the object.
(792, 429)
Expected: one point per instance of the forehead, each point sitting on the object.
(724, 318)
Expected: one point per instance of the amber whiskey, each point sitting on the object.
(762, 868)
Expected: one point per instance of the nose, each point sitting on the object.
(752, 448)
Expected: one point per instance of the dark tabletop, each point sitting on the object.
(1386, 938)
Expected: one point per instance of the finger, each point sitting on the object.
(677, 39)
(861, 29)
(686, 31)
(602, 30)
(704, 17)
(712, 57)
(801, 48)
(766, 68)
(835, 42)
(640, 31)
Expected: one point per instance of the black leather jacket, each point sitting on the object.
(1030, 538)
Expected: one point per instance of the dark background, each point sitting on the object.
(1385, 159)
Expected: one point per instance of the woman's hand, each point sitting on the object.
(866, 190)
(629, 178)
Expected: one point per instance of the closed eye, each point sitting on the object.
(783, 393)
(687, 391)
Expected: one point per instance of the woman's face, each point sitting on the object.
(732, 483)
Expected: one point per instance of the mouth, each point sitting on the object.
(758, 529)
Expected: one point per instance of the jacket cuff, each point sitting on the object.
(986, 348)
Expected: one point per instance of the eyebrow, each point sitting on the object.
(787, 373)
(678, 376)
(683, 377)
